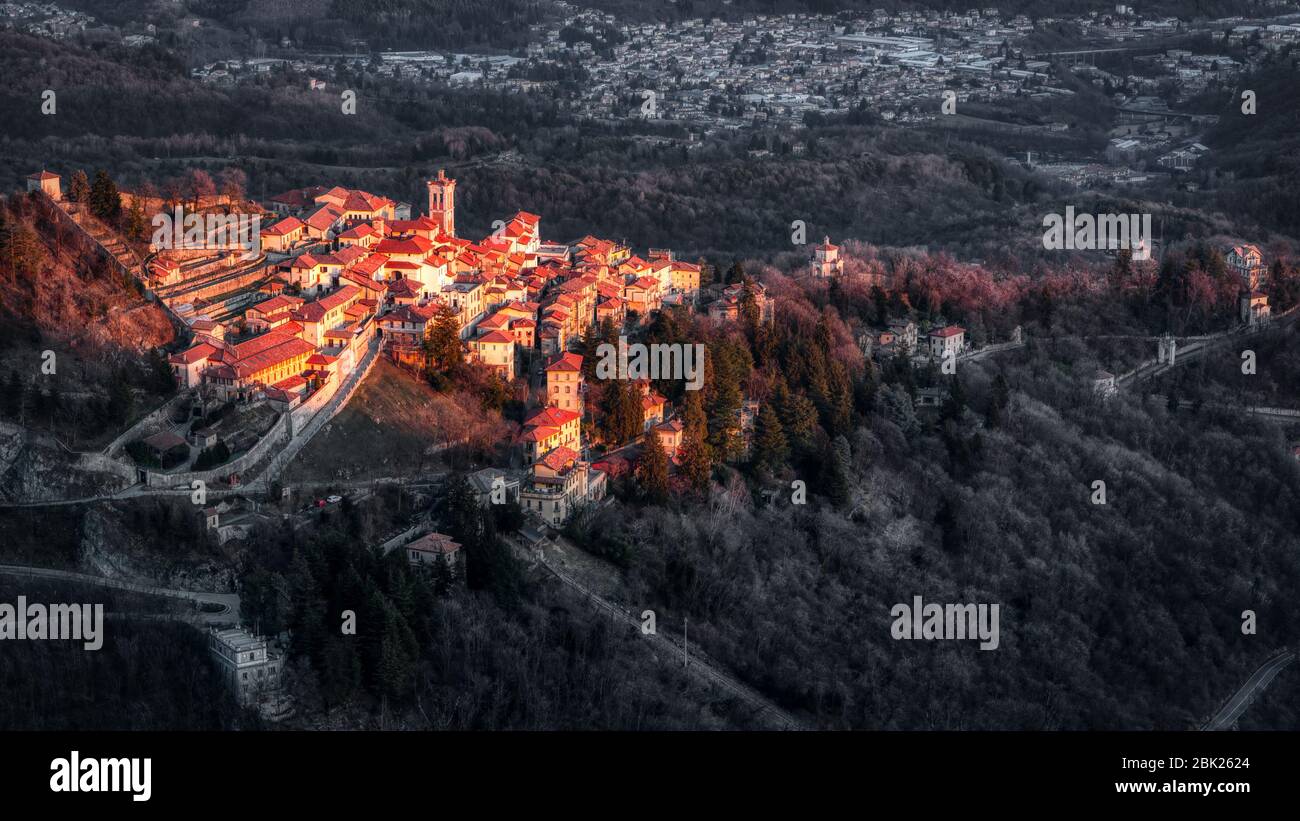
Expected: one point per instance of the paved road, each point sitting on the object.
(989, 350)
(1256, 684)
(228, 602)
(700, 664)
(252, 488)
(1194, 346)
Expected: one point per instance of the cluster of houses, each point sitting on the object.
(901, 337)
(350, 266)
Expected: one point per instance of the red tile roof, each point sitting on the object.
(433, 543)
(194, 354)
(315, 311)
(565, 362)
(558, 458)
(552, 417)
(284, 226)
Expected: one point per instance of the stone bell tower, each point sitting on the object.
(442, 202)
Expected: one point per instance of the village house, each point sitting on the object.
(271, 313)
(643, 295)
(404, 330)
(670, 435)
(434, 547)
(685, 278)
(560, 484)
(281, 237)
(1247, 263)
(313, 273)
(323, 222)
(325, 313)
(727, 308)
(466, 299)
(295, 201)
(188, 365)
(496, 349)
(653, 405)
(550, 428)
(904, 335)
(234, 370)
(564, 383)
(494, 483)
(947, 342)
(1254, 307)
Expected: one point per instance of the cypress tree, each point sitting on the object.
(652, 470)
(695, 455)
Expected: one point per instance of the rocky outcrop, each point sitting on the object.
(36, 468)
(111, 548)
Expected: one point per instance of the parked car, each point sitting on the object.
(334, 500)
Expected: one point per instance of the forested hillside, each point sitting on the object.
(1122, 614)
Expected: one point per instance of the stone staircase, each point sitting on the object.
(108, 239)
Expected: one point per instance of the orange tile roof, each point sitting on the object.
(194, 354)
(552, 417)
(284, 226)
(559, 458)
(566, 362)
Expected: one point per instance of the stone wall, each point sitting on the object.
(278, 435)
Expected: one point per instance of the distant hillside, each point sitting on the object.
(672, 9)
(1261, 152)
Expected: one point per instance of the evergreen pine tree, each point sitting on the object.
(632, 412)
(652, 470)
(135, 219)
(105, 201)
(79, 187)
(834, 479)
(724, 418)
(442, 344)
(770, 446)
(798, 417)
(695, 455)
(394, 664)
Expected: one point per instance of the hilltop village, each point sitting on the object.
(276, 335)
(280, 331)
(345, 276)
